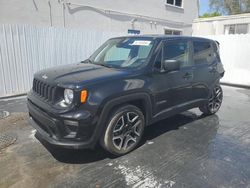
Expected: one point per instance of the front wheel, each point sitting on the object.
(124, 130)
(214, 102)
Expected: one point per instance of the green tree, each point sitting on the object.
(209, 15)
(230, 7)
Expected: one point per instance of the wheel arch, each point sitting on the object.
(141, 100)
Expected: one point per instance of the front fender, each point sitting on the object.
(108, 104)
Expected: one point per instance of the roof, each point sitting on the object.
(162, 37)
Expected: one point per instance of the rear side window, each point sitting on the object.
(203, 52)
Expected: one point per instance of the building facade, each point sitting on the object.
(222, 25)
(132, 16)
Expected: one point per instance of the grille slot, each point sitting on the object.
(44, 90)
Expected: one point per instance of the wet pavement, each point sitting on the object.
(186, 150)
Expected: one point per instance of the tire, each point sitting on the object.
(124, 130)
(214, 102)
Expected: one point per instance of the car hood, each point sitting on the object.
(75, 75)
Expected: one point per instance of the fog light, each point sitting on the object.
(71, 128)
(71, 123)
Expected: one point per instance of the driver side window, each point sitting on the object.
(174, 50)
(177, 50)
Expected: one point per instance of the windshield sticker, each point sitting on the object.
(141, 43)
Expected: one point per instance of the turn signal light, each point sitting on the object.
(84, 95)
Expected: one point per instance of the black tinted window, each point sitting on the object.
(203, 53)
(175, 2)
(177, 50)
(178, 3)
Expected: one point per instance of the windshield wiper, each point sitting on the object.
(92, 62)
(87, 60)
(104, 65)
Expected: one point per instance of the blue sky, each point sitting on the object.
(204, 6)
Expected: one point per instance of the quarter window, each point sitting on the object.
(158, 59)
(177, 3)
(203, 53)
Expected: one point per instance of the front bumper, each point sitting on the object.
(78, 133)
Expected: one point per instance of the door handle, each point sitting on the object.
(187, 75)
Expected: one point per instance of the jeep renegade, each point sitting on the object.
(126, 85)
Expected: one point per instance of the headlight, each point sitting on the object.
(68, 96)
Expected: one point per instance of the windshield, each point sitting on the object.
(123, 52)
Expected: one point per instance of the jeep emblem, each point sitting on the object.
(45, 76)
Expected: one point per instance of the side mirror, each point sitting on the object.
(171, 65)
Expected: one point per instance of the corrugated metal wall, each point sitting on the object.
(27, 49)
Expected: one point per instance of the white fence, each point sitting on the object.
(235, 56)
(27, 49)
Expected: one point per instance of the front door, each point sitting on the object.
(173, 89)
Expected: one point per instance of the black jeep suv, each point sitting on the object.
(127, 84)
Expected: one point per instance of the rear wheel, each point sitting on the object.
(124, 130)
(214, 102)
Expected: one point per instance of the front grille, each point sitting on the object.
(44, 90)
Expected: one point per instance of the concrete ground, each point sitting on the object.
(186, 150)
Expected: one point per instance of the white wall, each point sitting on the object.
(155, 14)
(235, 56)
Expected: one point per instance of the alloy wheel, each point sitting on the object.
(127, 131)
(215, 100)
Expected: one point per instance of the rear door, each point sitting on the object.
(205, 70)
